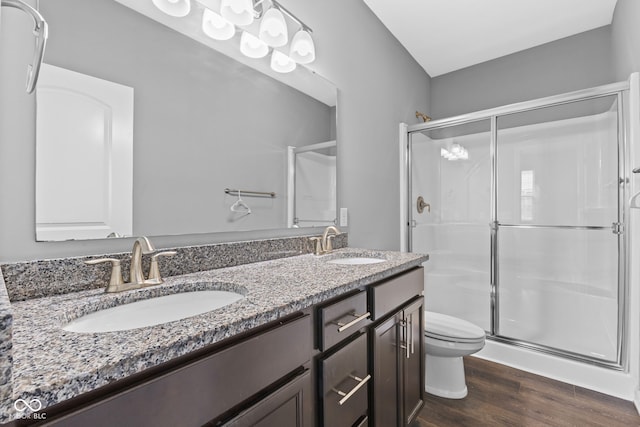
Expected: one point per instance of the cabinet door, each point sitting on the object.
(344, 388)
(386, 351)
(286, 407)
(412, 362)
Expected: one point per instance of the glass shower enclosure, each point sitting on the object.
(522, 211)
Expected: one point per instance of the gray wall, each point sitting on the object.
(625, 37)
(379, 85)
(572, 63)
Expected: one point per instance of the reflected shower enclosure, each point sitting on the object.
(311, 185)
(526, 227)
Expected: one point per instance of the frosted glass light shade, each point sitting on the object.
(177, 8)
(302, 49)
(281, 63)
(216, 27)
(238, 12)
(273, 28)
(252, 46)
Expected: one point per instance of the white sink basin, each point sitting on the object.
(152, 311)
(356, 261)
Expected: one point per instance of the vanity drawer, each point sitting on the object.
(203, 390)
(344, 389)
(390, 294)
(340, 319)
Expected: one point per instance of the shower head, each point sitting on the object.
(422, 116)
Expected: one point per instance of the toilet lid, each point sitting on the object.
(448, 327)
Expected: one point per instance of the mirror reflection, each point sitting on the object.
(141, 129)
(312, 185)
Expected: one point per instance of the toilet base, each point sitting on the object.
(444, 377)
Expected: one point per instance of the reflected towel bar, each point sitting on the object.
(250, 193)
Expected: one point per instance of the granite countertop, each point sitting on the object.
(53, 365)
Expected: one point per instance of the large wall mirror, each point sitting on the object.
(143, 129)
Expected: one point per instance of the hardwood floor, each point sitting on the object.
(504, 396)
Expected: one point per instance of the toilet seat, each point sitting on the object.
(447, 328)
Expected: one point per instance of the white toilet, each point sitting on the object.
(447, 339)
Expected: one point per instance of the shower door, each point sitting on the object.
(521, 210)
(451, 174)
(558, 227)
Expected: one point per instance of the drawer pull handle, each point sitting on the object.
(347, 396)
(364, 422)
(358, 318)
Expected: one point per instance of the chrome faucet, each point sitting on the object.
(141, 246)
(324, 244)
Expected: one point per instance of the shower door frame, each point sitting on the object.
(620, 228)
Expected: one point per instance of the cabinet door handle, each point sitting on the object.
(407, 336)
(346, 396)
(358, 318)
(412, 333)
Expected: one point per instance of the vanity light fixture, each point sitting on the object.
(216, 27)
(273, 28)
(302, 48)
(281, 63)
(252, 46)
(238, 12)
(221, 19)
(177, 8)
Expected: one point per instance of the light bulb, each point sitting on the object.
(238, 12)
(273, 28)
(216, 27)
(177, 8)
(302, 49)
(281, 63)
(252, 46)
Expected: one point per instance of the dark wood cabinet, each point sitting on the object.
(366, 368)
(344, 381)
(205, 389)
(398, 367)
(339, 319)
(397, 359)
(385, 355)
(412, 362)
(286, 407)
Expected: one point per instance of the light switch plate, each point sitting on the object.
(344, 217)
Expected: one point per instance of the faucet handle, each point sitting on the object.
(317, 243)
(154, 270)
(329, 247)
(116, 271)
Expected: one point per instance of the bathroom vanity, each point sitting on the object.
(312, 343)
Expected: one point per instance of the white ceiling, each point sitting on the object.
(447, 35)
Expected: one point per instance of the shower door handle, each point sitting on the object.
(421, 205)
